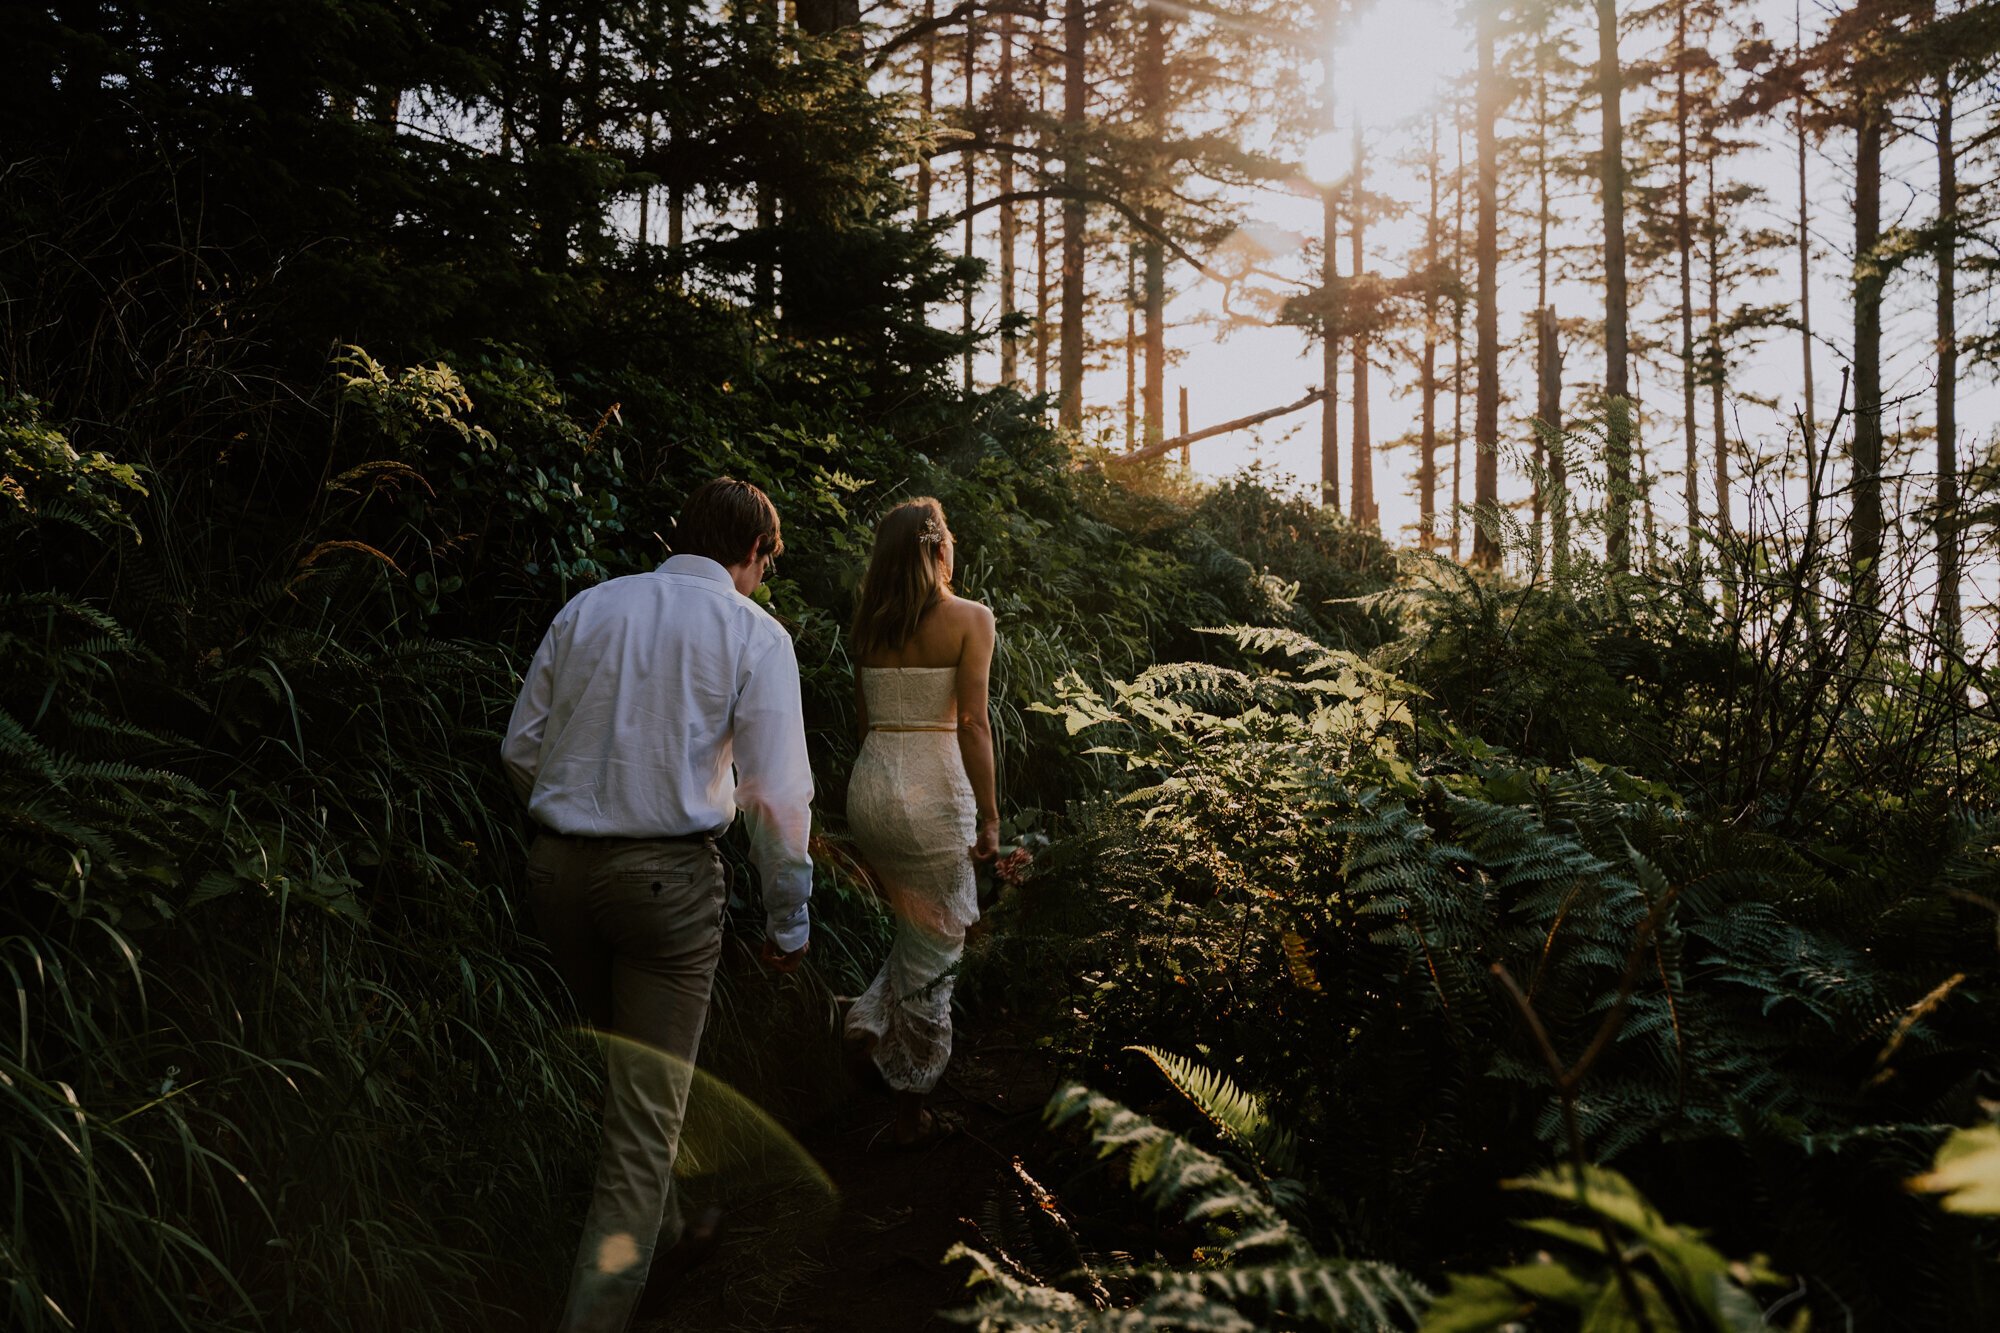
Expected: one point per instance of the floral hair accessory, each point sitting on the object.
(932, 532)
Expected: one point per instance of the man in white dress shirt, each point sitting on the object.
(657, 706)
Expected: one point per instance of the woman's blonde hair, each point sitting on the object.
(906, 576)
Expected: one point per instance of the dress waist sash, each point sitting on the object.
(895, 726)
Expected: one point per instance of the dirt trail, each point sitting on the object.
(877, 1268)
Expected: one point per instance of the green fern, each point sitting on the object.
(1169, 1172)
(1324, 1293)
(1260, 1268)
(1238, 1116)
(1670, 1272)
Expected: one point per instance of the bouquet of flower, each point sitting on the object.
(1014, 866)
(1011, 867)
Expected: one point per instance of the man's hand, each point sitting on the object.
(988, 845)
(783, 963)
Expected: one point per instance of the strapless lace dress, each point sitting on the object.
(911, 810)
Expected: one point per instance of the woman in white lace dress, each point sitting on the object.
(921, 802)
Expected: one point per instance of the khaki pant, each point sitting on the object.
(636, 928)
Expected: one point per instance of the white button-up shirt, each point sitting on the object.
(645, 691)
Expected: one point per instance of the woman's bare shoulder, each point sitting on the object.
(966, 612)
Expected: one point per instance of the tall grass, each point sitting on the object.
(279, 1057)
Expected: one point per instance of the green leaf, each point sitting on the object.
(1475, 1302)
(1966, 1172)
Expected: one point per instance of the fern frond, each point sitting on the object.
(1169, 1172)
(1238, 1116)
(1332, 1293)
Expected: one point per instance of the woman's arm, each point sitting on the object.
(860, 706)
(975, 730)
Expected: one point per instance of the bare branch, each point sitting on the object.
(1241, 423)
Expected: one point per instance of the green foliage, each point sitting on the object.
(1668, 1272)
(1313, 871)
(43, 475)
(1238, 1116)
(286, 1046)
(285, 1056)
(1966, 1172)
(277, 1059)
(1251, 1268)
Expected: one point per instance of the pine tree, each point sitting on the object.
(1329, 278)
(1152, 88)
(1811, 418)
(1076, 100)
(1009, 125)
(1685, 59)
(1486, 417)
(1427, 471)
(1617, 373)
(1950, 631)
(1458, 264)
(1363, 513)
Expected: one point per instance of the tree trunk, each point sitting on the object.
(927, 106)
(676, 187)
(1329, 356)
(1363, 483)
(1652, 533)
(553, 205)
(1041, 251)
(1718, 361)
(1458, 339)
(1131, 348)
(1684, 246)
(590, 118)
(1548, 410)
(649, 77)
(767, 273)
(1153, 100)
(1948, 614)
(1041, 298)
(1009, 222)
(971, 163)
(1544, 343)
(1154, 401)
(1427, 457)
(1805, 257)
(1866, 546)
(1486, 413)
(769, 15)
(1617, 373)
(1076, 95)
(1187, 450)
(1329, 342)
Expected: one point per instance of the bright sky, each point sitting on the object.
(1397, 56)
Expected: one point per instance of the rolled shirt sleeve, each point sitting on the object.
(774, 789)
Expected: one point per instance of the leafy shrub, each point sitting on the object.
(1252, 1266)
(1316, 879)
(279, 1059)
(42, 474)
(1625, 1265)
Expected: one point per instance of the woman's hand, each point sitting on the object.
(988, 845)
(781, 962)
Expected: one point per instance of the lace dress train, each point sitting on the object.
(911, 810)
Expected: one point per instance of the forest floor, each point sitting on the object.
(872, 1263)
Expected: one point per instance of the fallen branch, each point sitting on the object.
(1241, 423)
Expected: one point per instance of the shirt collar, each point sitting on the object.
(700, 566)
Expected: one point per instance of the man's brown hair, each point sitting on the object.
(725, 519)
